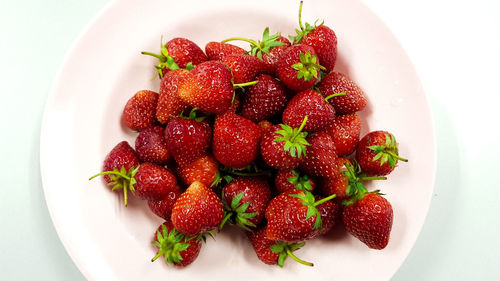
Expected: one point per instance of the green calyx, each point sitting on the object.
(294, 138)
(236, 213)
(303, 31)
(355, 189)
(387, 152)
(243, 85)
(121, 180)
(165, 60)
(192, 115)
(308, 67)
(307, 199)
(285, 250)
(170, 245)
(257, 48)
(300, 181)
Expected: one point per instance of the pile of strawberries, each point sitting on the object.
(267, 140)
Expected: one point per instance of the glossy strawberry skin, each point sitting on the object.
(208, 87)
(370, 220)
(218, 51)
(365, 155)
(345, 131)
(170, 104)
(185, 51)
(324, 42)
(261, 245)
(354, 99)
(187, 139)
(274, 154)
(243, 67)
(321, 158)
(287, 74)
(190, 254)
(163, 208)
(151, 146)
(139, 112)
(153, 182)
(236, 140)
(336, 184)
(265, 99)
(282, 184)
(122, 155)
(265, 126)
(270, 60)
(309, 103)
(204, 169)
(197, 210)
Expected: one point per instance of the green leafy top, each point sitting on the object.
(121, 180)
(294, 138)
(355, 189)
(264, 46)
(165, 60)
(300, 182)
(387, 152)
(308, 67)
(236, 213)
(307, 199)
(170, 245)
(285, 250)
(303, 31)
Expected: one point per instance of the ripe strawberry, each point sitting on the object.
(197, 210)
(151, 146)
(177, 249)
(188, 139)
(208, 87)
(321, 158)
(265, 99)
(311, 104)
(265, 126)
(345, 131)
(163, 207)
(377, 153)
(298, 67)
(170, 104)
(271, 58)
(370, 220)
(218, 51)
(330, 212)
(337, 184)
(321, 38)
(235, 141)
(293, 217)
(244, 67)
(290, 180)
(354, 99)
(245, 200)
(273, 252)
(139, 112)
(204, 169)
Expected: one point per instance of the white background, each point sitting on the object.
(454, 46)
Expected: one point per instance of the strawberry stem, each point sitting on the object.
(241, 85)
(300, 16)
(160, 57)
(295, 258)
(300, 128)
(372, 178)
(111, 173)
(324, 200)
(395, 155)
(253, 42)
(335, 95)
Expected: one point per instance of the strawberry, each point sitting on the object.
(273, 252)
(265, 126)
(309, 103)
(218, 51)
(139, 112)
(188, 138)
(244, 67)
(321, 38)
(204, 169)
(290, 180)
(330, 212)
(377, 153)
(337, 184)
(170, 104)
(176, 248)
(354, 99)
(197, 210)
(265, 99)
(298, 67)
(271, 58)
(245, 200)
(283, 147)
(163, 207)
(321, 158)
(235, 141)
(345, 131)
(151, 146)
(370, 220)
(293, 217)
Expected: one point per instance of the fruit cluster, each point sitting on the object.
(266, 139)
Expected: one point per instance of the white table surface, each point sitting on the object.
(454, 45)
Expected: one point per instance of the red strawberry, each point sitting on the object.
(370, 220)
(203, 169)
(187, 139)
(139, 112)
(265, 99)
(218, 51)
(377, 153)
(197, 210)
(321, 157)
(235, 141)
(271, 58)
(321, 38)
(337, 184)
(176, 248)
(311, 104)
(345, 131)
(298, 67)
(330, 212)
(245, 200)
(290, 180)
(293, 217)
(244, 67)
(354, 99)
(170, 104)
(208, 87)
(163, 207)
(153, 182)
(273, 252)
(265, 126)
(151, 146)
